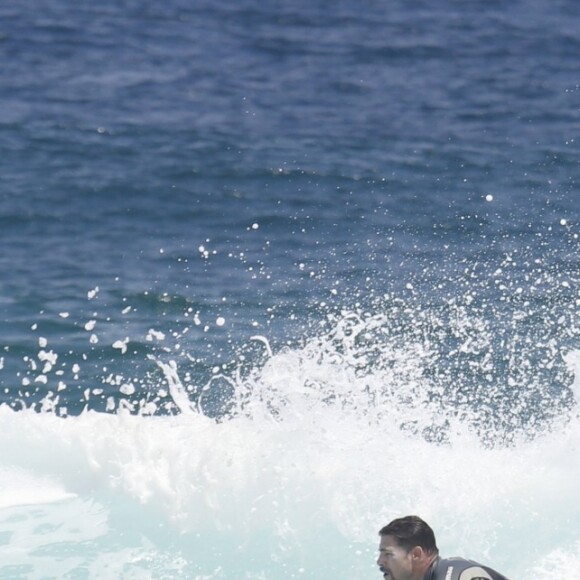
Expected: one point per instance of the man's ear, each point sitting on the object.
(417, 553)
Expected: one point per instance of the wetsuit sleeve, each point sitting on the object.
(459, 569)
(478, 573)
(475, 573)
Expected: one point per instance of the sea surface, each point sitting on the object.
(273, 273)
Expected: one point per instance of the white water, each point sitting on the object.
(295, 485)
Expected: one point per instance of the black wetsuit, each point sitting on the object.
(460, 569)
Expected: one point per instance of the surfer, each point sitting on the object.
(408, 552)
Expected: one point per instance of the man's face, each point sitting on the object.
(395, 562)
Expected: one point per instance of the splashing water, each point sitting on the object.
(318, 448)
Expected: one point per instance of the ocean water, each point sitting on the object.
(274, 273)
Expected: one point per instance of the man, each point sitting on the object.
(408, 552)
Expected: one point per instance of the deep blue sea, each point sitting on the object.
(274, 273)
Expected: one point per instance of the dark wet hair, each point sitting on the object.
(411, 531)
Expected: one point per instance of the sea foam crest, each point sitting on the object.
(321, 445)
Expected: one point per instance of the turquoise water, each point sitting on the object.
(274, 274)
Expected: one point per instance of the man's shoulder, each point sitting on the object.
(462, 569)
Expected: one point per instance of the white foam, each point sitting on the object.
(294, 478)
(318, 456)
(19, 487)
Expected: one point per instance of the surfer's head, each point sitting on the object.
(407, 549)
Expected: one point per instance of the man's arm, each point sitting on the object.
(460, 569)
